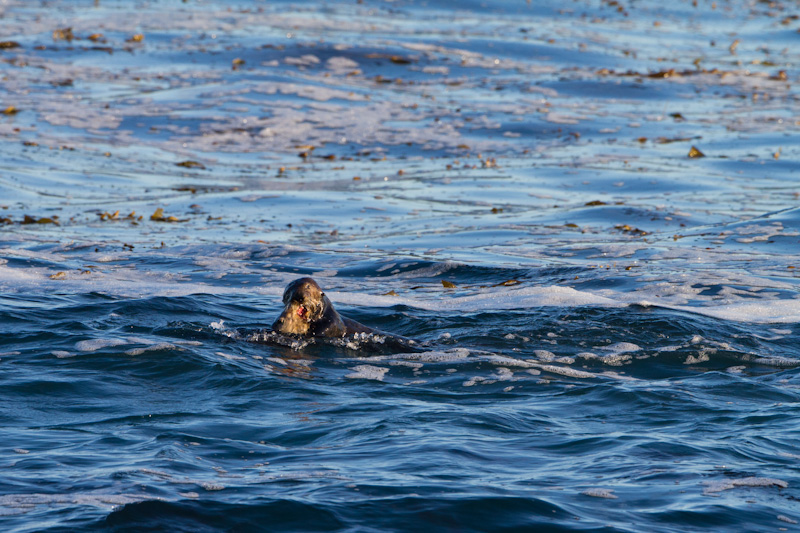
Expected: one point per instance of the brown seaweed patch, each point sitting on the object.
(158, 216)
(396, 59)
(694, 153)
(44, 220)
(674, 73)
(63, 34)
(630, 230)
(667, 140)
(508, 283)
(191, 164)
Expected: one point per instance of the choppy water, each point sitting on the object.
(617, 341)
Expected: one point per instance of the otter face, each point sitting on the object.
(305, 304)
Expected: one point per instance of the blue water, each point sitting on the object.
(608, 329)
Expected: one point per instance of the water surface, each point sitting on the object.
(608, 321)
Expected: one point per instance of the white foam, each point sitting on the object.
(489, 300)
(779, 362)
(307, 60)
(621, 347)
(414, 366)
(766, 311)
(471, 382)
(442, 70)
(152, 348)
(616, 375)
(29, 502)
(92, 345)
(612, 359)
(553, 369)
(600, 493)
(701, 357)
(341, 64)
(367, 372)
(139, 340)
(22, 275)
(433, 356)
(713, 487)
(231, 357)
(566, 371)
(503, 374)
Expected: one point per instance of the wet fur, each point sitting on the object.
(309, 313)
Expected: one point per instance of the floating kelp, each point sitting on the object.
(695, 153)
(158, 216)
(191, 164)
(63, 34)
(115, 216)
(44, 220)
(625, 228)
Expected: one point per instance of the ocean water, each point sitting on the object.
(587, 213)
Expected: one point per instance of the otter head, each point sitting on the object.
(304, 306)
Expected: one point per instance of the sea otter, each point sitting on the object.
(308, 312)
